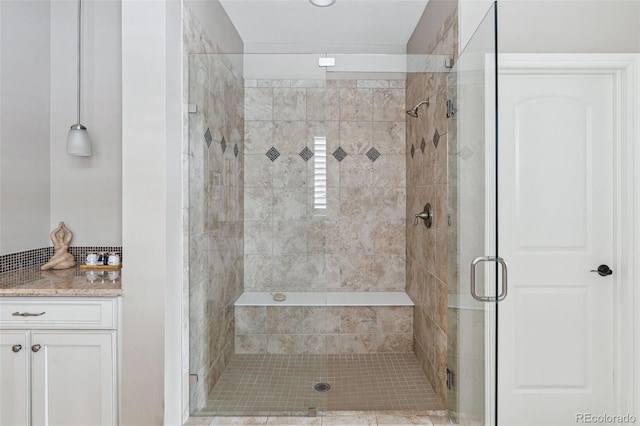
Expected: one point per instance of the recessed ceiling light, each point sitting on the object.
(322, 3)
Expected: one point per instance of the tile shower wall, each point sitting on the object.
(427, 248)
(215, 157)
(358, 243)
(323, 329)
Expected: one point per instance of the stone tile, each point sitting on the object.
(289, 203)
(350, 420)
(290, 237)
(388, 105)
(251, 319)
(251, 344)
(439, 420)
(289, 171)
(258, 237)
(389, 171)
(395, 319)
(440, 209)
(359, 319)
(389, 137)
(403, 420)
(358, 343)
(356, 204)
(355, 272)
(290, 104)
(258, 171)
(192, 421)
(244, 421)
(323, 104)
(258, 103)
(316, 321)
(356, 104)
(441, 258)
(258, 137)
(356, 137)
(356, 171)
(274, 83)
(372, 84)
(390, 272)
(258, 203)
(316, 237)
(295, 421)
(290, 137)
(309, 83)
(395, 343)
(341, 83)
(441, 156)
(284, 319)
(391, 203)
(258, 272)
(389, 237)
(285, 343)
(314, 344)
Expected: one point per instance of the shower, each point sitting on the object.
(413, 112)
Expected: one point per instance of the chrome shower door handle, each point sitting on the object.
(503, 289)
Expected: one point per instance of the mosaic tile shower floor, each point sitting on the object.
(284, 384)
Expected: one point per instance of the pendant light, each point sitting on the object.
(78, 141)
(322, 3)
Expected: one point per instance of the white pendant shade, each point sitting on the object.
(322, 3)
(78, 141)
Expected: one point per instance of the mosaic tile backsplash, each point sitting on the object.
(36, 257)
(356, 243)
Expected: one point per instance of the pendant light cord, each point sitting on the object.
(79, 53)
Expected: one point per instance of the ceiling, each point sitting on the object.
(298, 26)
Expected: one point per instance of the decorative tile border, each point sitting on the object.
(25, 259)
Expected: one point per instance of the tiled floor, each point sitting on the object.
(267, 385)
(338, 418)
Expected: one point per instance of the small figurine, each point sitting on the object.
(61, 259)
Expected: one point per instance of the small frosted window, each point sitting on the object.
(320, 176)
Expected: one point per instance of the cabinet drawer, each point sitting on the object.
(58, 313)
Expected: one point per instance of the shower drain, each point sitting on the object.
(322, 387)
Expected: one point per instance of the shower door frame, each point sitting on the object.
(625, 69)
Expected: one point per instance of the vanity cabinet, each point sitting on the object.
(58, 361)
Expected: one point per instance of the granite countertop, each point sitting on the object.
(64, 282)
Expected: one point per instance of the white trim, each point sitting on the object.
(625, 69)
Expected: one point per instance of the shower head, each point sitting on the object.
(413, 112)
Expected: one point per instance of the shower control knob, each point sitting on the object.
(603, 270)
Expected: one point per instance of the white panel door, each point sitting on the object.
(14, 378)
(555, 225)
(73, 378)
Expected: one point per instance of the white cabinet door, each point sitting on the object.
(14, 378)
(73, 378)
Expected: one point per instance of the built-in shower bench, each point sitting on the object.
(324, 323)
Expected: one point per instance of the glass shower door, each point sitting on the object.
(474, 264)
